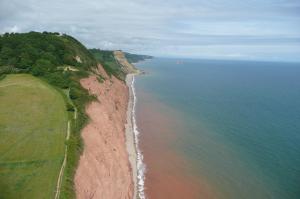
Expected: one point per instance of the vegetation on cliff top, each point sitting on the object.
(40, 53)
(109, 63)
(134, 58)
(61, 61)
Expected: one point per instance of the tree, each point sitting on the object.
(50, 48)
(50, 57)
(6, 53)
(74, 93)
(24, 62)
(69, 59)
(43, 63)
(41, 66)
(58, 79)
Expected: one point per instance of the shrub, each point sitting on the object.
(75, 93)
(70, 107)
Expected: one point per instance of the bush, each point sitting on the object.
(70, 107)
(75, 93)
(58, 79)
(41, 67)
(2, 76)
(100, 79)
(38, 71)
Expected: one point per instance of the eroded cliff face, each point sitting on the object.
(126, 66)
(104, 170)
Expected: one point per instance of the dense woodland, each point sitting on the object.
(42, 54)
(47, 54)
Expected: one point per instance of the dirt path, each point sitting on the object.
(59, 180)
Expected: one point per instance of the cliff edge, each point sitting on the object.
(125, 65)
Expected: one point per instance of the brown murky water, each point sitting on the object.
(167, 172)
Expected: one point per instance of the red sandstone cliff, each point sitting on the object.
(104, 171)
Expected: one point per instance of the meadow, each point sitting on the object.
(33, 127)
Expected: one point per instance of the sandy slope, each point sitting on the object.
(126, 66)
(104, 170)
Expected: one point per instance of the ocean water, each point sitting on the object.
(229, 128)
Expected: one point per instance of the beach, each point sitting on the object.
(130, 139)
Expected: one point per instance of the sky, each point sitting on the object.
(212, 29)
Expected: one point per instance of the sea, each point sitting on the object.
(218, 129)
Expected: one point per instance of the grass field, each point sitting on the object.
(33, 125)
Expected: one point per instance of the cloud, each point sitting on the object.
(163, 28)
(11, 29)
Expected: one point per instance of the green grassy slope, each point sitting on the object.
(61, 61)
(47, 56)
(111, 65)
(33, 125)
(134, 58)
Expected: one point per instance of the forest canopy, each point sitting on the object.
(41, 52)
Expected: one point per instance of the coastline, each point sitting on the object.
(104, 170)
(129, 133)
(134, 153)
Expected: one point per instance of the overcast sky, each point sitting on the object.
(223, 29)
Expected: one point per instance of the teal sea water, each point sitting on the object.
(241, 121)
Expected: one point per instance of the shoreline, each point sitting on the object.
(129, 133)
(134, 154)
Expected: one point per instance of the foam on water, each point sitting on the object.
(141, 167)
(240, 124)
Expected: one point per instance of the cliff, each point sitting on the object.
(92, 83)
(104, 170)
(125, 65)
(118, 63)
(61, 61)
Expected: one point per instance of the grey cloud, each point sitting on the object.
(164, 28)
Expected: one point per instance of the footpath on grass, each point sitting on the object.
(60, 176)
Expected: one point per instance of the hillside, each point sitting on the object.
(33, 140)
(118, 63)
(27, 52)
(109, 63)
(60, 61)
